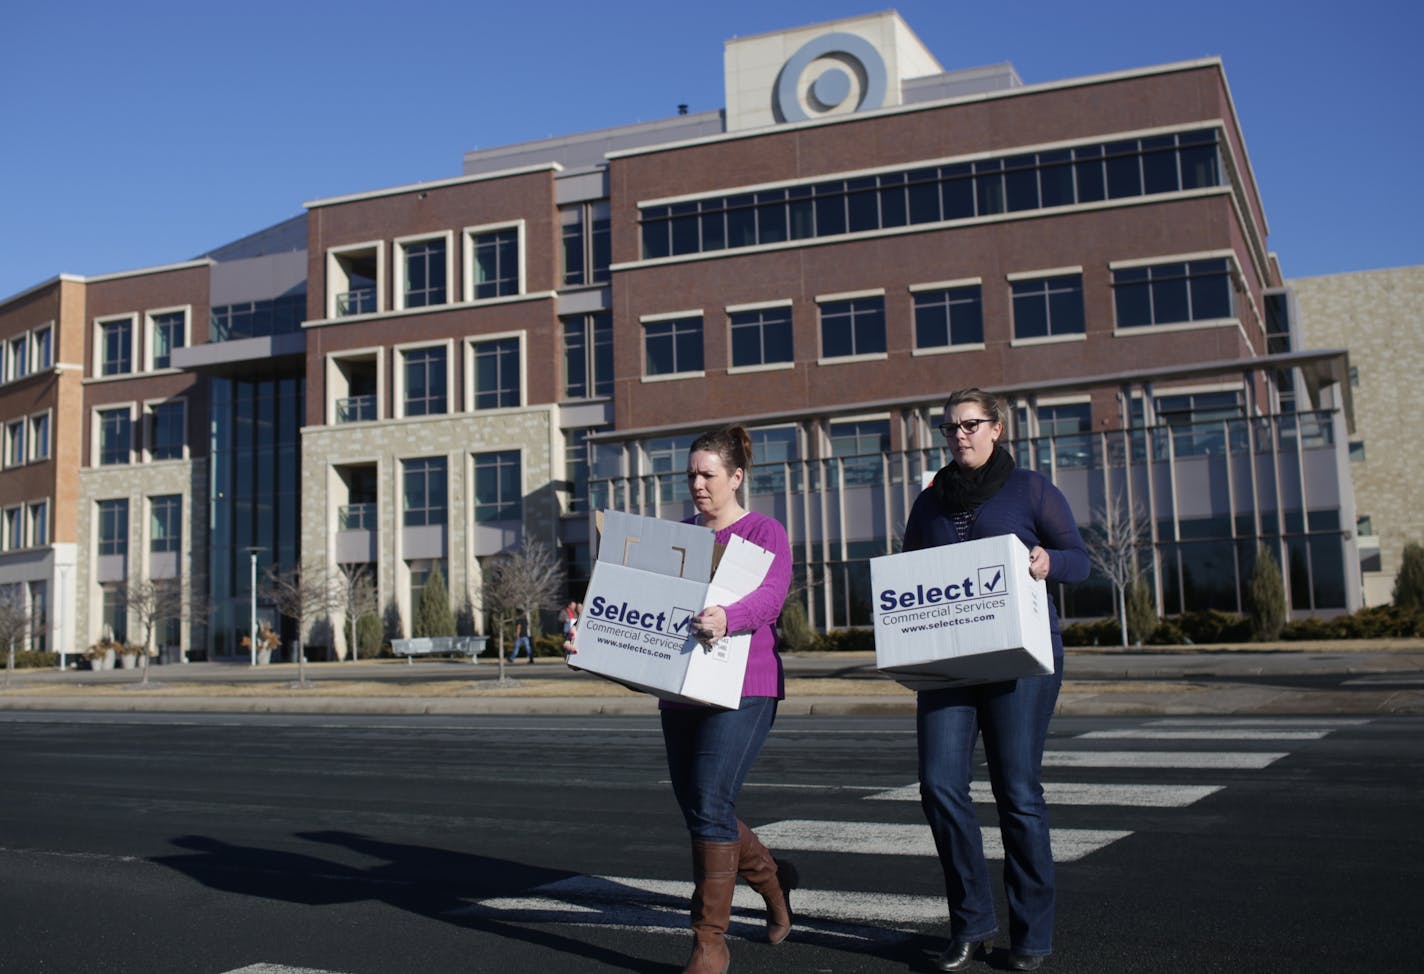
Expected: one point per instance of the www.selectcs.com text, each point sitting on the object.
(621, 643)
(954, 610)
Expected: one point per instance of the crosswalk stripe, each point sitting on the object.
(277, 969)
(1207, 734)
(1330, 722)
(1077, 793)
(1215, 760)
(885, 839)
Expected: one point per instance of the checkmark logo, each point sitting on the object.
(681, 618)
(991, 580)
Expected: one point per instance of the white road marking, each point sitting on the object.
(1076, 793)
(1215, 760)
(1208, 734)
(277, 969)
(1331, 722)
(873, 838)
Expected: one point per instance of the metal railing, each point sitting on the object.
(356, 517)
(356, 409)
(361, 301)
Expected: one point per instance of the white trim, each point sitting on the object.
(764, 367)
(467, 239)
(97, 432)
(331, 378)
(946, 349)
(98, 337)
(1047, 340)
(22, 425)
(30, 523)
(946, 285)
(670, 316)
(334, 272)
(1230, 255)
(699, 374)
(432, 309)
(434, 184)
(1064, 400)
(148, 332)
(398, 378)
(399, 245)
(468, 358)
(30, 436)
(851, 359)
(1049, 272)
(878, 292)
(1189, 390)
(8, 542)
(143, 271)
(1136, 330)
(734, 309)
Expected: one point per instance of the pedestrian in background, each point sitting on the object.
(982, 494)
(521, 638)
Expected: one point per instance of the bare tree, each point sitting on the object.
(303, 594)
(521, 583)
(355, 589)
(152, 602)
(14, 624)
(1113, 542)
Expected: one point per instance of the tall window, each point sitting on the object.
(425, 495)
(761, 337)
(1181, 291)
(499, 495)
(14, 528)
(496, 263)
(114, 527)
(166, 430)
(672, 346)
(853, 327)
(946, 317)
(576, 466)
(39, 616)
(115, 612)
(588, 252)
(19, 357)
(44, 347)
(15, 443)
(588, 355)
(1057, 442)
(39, 524)
(773, 448)
(170, 331)
(1048, 306)
(39, 437)
(116, 347)
(666, 460)
(863, 445)
(165, 523)
(424, 273)
(115, 436)
(425, 381)
(497, 373)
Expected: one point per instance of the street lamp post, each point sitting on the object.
(252, 551)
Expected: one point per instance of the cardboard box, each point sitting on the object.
(960, 614)
(650, 579)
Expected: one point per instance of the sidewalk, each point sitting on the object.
(1367, 677)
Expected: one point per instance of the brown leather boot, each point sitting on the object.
(773, 878)
(714, 876)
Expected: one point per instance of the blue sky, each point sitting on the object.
(147, 132)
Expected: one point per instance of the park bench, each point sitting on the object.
(470, 646)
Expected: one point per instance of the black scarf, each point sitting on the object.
(962, 490)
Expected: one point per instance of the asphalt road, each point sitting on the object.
(212, 844)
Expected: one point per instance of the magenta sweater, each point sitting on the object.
(757, 613)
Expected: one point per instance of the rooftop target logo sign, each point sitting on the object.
(839, 72)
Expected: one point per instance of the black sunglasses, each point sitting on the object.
(969, 426)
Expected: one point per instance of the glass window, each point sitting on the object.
(853, 327)
(14, 528)
(1173, 292)
(116, 347)
(39, 616)
(666, 461)
(772, 450)
(588, 250)
(424, 496)
(115, 436)
(949, 316)
(39, 523)
(165, 522)
(19, 357)
(496, 256)
(167, 430)
(497, 374)
(425, 381)
(170, 331)
(278, 316)
(761, 337)
(425, 273)
(576, 467)
(863, 445)
(15, 443)
(39, 437)
(1048, 306)
(588, 355)
(673, 346)
(115, 614)
(498, 492)
(44, 348)
(114, 527)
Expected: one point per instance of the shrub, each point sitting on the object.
(1167, 633)
(1409, 583)
(433, 616)
(845, 641)
(794, 628)
(1266, 597)
(1214, 626)
(1141, 614)
(30, 659)
(368, 635)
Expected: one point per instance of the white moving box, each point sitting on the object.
(650, 579)
(960, 614)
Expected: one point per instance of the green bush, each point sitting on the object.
(1214, 626)
(548, 644)
(1266, 597)
(794, 628)
(1099, 632)
(1141, 614)
(845, 641)
(368, 635)
(1409, 583)
(30, 659)
(433, 617)
(1301, 629)
(1167, 633)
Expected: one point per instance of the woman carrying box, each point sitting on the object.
(710, 750)
(981, 494)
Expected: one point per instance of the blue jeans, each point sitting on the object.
(522, 641)
(1013, 717)
(709, 754)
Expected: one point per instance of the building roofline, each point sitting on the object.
(47, 282)
(143, 271)
(434, 184)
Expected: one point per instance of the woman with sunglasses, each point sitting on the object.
(981, 494)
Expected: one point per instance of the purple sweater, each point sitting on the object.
(757, 613)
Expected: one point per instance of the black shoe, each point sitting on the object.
(959, 954)
(1024, 962)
